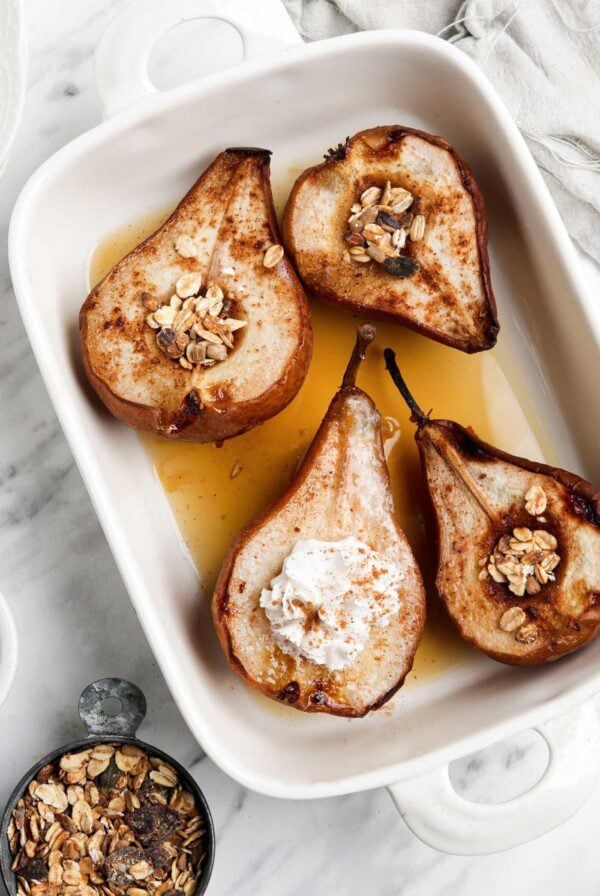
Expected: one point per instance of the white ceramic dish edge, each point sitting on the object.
(13, 72)
(578, 730)
(9, 649)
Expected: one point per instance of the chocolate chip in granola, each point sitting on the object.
(33, 869)
(384, 219)
(153, 823)
(402, 266)
(110, 776)
(158, 857)
(118, 863)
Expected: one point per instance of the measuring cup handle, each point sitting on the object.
(93, 710)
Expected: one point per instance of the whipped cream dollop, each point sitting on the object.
(327, 598)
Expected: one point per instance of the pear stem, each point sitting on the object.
(421, 419)
(364, 336)
(417, 415)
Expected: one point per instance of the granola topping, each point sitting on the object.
(516, 620)
(192, 328)
(512, 619)
(273, 256)
(527, 634)
(185, 246)
(525, 560)
(109, 820)
(535, 500)
(379, 225)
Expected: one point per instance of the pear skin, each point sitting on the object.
(228, 215)
(449, 295)
(518, 543)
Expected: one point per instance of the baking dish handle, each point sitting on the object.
(124, 49)
(443, 819)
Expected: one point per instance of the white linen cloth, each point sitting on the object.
(542, 56)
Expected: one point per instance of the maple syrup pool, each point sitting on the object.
(213, 491)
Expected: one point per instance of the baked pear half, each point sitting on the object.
(320, 603)
(392, 225)
(518, 543)
(203, 330)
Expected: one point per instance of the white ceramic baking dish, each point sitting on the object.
(297, 100)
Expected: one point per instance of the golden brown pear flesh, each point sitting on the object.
(341, 489)
(229, 214)
(449, 298)
(481, 495)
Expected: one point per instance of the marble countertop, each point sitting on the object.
(76, 623)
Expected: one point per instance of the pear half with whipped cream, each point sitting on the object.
(320, 602)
